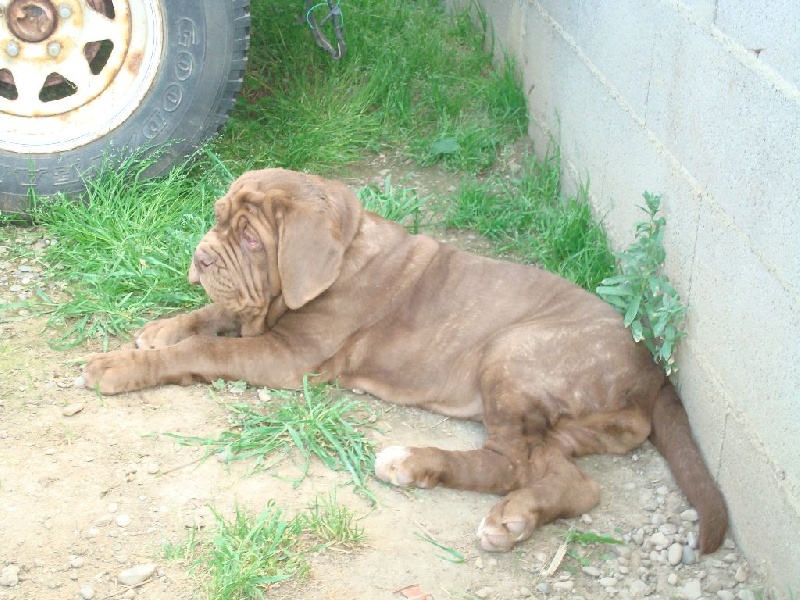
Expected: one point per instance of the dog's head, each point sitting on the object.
(278, 242)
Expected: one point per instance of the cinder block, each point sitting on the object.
(764, 519)
(746, 326)
(734, 132)
(769, 30)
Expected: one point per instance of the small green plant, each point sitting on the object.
(318, 421)
(592, 545)
(652, 308)
(332, 523)
(249, 553)
(395, 203)
(185, 550)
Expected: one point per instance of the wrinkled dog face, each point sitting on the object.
(235, 261)
(259, 259)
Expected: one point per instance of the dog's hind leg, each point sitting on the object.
(560, 489)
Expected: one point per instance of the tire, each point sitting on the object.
(111, 77)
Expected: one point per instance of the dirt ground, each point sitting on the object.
(89, 487)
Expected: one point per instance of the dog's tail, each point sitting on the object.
(673, 438)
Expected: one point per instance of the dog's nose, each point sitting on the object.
(200, 262)
(202, 259)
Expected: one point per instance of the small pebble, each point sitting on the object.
(689, 557)
(592, 571)
(87, 593)
(72, 409)
(689, 515)
(672, 579)
(741, 574)
(76, 562)
(639, 589)
(692, 589)
(563, 586)
(484, 592)
(675, 554)
(725, 595)
(691, 540)
(638, 536)
(123, 520)
(9, 576)
(659, 540)
(668, 529)
(607, 581)
(543, 587)
(137, 574)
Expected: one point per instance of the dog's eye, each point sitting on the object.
(250, 240)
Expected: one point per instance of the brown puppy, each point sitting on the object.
(312, 283)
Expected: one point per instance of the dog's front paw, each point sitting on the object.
(113, 372)
(164, 332)
(392, 466)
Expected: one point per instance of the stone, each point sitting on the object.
(123, 520)
(639, 589)
(689, 516)
(72, 409)
(87, 593)
(675, 554)
(692, 589)
(659, 540)
(137, 574)
(9, 576)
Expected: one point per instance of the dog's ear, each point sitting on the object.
(310, 252)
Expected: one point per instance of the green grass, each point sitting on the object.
(413, 75)
(331, 523)
(527, 218)
(415, 80)
(319, 421)
(247, 553)
(124, 251)
(396, 203)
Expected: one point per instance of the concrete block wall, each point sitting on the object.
(699, 101)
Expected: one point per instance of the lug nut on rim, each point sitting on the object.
(64, 11)
(54, 49)
(12, 49)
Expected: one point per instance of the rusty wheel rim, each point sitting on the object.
(73, 70)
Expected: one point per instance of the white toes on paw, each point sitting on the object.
(389, 463)
(499, 538)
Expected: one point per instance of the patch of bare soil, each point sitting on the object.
(90, 487)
